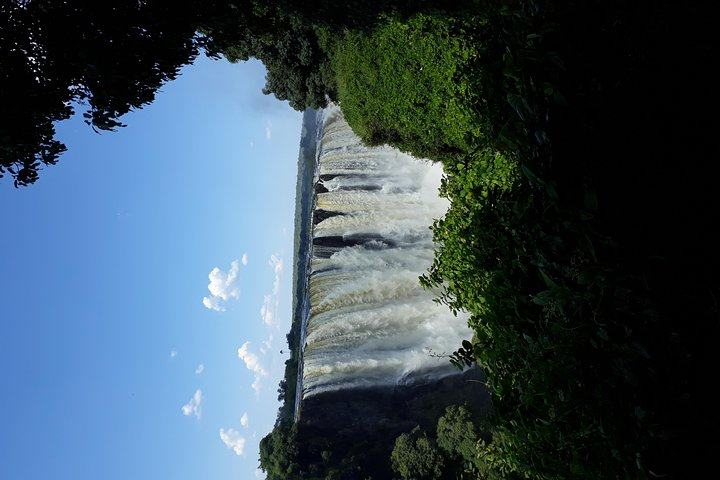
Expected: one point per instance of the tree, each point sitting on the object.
(298, 65)
(282, 389)
(456, 433)
(416, 457)
(279, 451)
(111, 58)
(108, 57)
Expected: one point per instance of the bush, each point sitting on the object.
(416, 457)
(409, 84)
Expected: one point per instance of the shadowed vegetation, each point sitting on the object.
(593, 321)
(576, 139)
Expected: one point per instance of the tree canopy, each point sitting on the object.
(416, 456)
(108, 57)
(279, 450)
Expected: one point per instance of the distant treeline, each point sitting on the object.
(304, 196)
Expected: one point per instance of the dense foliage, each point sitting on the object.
(107, 57)
(417, 85)
(556, 240)
(581, 234)
(298, 68)
(416, 457)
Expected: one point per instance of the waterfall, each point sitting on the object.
(369, 322)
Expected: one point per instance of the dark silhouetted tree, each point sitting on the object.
(108, 57)
(111, 58)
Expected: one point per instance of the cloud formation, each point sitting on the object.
(222, 287)
(200, 368)
(244, 259)
(244, 420)
(233, 440)
(277, 265)
(194, 405)
(268, 130)
(173, 353)
(266, 311)
(270, 302)
(267, 345)
(252, 362)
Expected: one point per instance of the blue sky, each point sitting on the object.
(145, 288)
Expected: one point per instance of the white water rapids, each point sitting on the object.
(370, 322)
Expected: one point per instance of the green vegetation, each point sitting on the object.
(578, 319)
(109, 58)
(589, 319)
(581, 235)
(412, 84)
(298, 69)
(415, 456)
(451, 453)
(585, 350)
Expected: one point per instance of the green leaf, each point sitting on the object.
(543, 298)
(520, 105)
(588, 248)
(541, 137)
(521, 205)
(551, 191)
(508, 138)
(588, 276)
(547, 280)
(530, 175)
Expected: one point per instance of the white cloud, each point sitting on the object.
(277, 265)
(200, 368)
(244, 420)
(222, 287)
(244, 259)
(268, 130)
(193, 406)
(270, 302)
(173, 353)
(252, 362)
(233, 440)
(266, 311)
(267, 345)
(213, 303)
(255, 385)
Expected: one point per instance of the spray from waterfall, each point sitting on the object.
(369, 322)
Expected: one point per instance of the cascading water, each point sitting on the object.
(370, 323)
